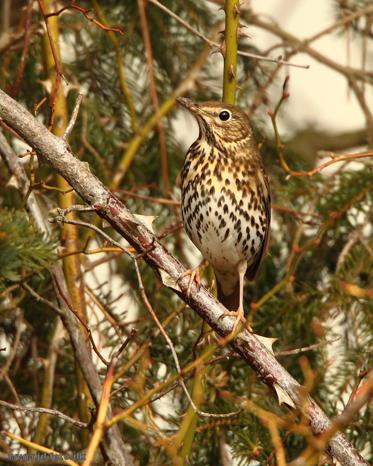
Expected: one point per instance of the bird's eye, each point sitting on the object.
(225, 115)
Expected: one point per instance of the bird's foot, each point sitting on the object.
(195, 277)
(240, 317)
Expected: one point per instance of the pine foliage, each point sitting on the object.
(24, 250)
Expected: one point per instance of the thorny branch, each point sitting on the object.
(55, 151)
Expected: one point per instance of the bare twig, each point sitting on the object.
(302, 46)
(281, 148)
(52, 412)
(73, 117)
(25, 50)
(215, 45)
(85, 326)
(40, 298)
(86, 13)
(62, 219)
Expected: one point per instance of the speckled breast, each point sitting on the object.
(222, 211)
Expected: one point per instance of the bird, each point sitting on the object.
(226, 199)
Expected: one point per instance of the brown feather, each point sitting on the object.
(254, 266)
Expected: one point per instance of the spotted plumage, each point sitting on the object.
(225, 197)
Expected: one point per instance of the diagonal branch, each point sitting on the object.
(249, 346)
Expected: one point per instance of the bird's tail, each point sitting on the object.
(232, 301)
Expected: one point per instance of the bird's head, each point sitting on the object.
(219, 120)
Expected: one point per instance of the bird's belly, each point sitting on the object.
(226, 229)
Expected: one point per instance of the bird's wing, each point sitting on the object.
(254, 266)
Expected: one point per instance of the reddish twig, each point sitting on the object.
(335, 159)
(86, 13)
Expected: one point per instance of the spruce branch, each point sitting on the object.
(56, 152)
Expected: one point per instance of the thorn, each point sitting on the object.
(236, 10)
(267, 342)
(242, 32)
(231, 73)
(283, 396)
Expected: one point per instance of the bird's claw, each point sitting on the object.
(194, 277)
(240, 316)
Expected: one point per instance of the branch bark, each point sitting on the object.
(58, 154)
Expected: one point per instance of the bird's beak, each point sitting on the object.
(188, 104)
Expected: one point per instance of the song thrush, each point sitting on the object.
(226, 204)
